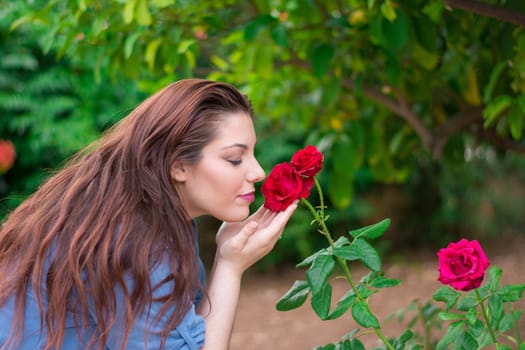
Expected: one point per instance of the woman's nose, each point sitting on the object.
(257, 173)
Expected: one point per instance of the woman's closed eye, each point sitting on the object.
(235, 161)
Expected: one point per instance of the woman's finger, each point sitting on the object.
(259, 213)
(282, 218)
(244, 235)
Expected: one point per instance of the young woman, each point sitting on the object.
(104, 254)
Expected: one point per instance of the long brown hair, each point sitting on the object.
(111, 213)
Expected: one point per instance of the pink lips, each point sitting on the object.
(250, 197)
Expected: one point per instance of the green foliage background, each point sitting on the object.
(412, 97)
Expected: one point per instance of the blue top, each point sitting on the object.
(189, 335)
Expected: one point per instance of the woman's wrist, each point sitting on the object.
(227, 268)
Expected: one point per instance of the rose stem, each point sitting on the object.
(485, 316)
(320, 218)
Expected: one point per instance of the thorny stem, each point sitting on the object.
(487, 320)
(320, 218)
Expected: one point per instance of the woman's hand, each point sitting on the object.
(241, 244)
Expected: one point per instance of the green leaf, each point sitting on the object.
(453, 331)
(295, 296)
(219, 62)
(280, 36)
(424, 58)
(372, 231)
(433, 10)
(360, 250)
(356, 344)
(321, 301)
(494, 76)
(467, 303)
(367, 254)
(449, 316)
(252, 29)
(494, 277)
(341, 189)
(495, 307)
(312, 257)
(495, 108)
(163, 3)
(478, 330)
(506, 323)
(129, 43)
(363, 316)
(400, 342)
(446, 295)
(321, 59)
(318, 273)
(511, 292)
(468, 341)
(396, 32)
(129, 11)
(383, 282)
(342, 305)
(142, 13)
(151, 52)
(516, 121)
(341, 241)
(388, 11)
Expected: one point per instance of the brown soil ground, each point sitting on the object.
(260, 326)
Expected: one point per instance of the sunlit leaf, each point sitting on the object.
(151, 52)
(494, 109)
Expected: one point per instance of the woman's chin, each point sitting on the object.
(234, 216)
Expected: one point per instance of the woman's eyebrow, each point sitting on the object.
(240, 145)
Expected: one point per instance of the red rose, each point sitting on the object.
(308, 161)
(462, 265)
(283, 186)
(7, 155)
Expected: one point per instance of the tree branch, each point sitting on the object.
(400, 109)
(488, 10)
(459, 122)
(500, 142)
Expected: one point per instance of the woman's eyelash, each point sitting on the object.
(235, 162)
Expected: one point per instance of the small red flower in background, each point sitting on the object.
(7, 156)
(288, 182)
(462, 265)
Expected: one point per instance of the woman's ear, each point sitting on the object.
(179, 173)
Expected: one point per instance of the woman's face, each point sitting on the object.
(221, 183)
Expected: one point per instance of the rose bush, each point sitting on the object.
(7, 156)
(477, 315)
(462, 265)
